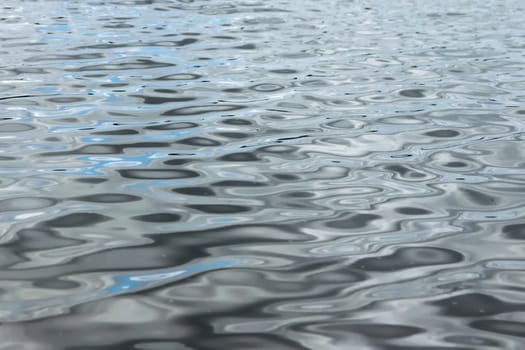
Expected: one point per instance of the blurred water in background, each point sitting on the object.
(289, 174)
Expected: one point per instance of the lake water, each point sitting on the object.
(213, 174)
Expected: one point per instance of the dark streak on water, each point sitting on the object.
(209, 174)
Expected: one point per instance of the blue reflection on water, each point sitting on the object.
(121, 283)
(131, 282)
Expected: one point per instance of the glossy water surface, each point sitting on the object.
(211, 174)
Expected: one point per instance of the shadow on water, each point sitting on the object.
(262, 175)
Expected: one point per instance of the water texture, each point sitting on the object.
(210, 174)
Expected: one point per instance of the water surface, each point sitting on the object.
(289, 174)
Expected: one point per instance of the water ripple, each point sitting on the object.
(199, 174)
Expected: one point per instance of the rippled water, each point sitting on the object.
(213, 174)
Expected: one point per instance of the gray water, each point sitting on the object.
(213, 174)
